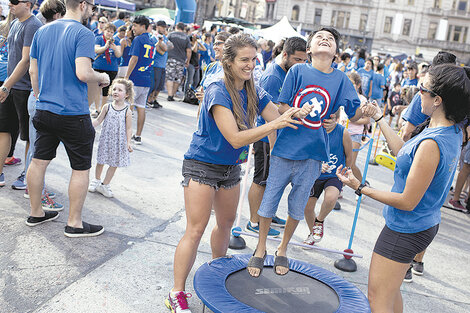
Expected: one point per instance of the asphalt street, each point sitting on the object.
(129, 267)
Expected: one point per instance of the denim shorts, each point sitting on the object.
(357, 138)
(302, 174)
(214, 175)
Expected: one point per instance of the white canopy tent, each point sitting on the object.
(280, 30)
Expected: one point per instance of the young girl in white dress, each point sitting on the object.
(115, 140)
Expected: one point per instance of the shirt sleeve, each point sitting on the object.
(33, 51)
(99, 40)
(272, 85)
(349, 98)
(217, 95)
(30, 30)
(85, 45)
(135, 47)
(263, 97)
(288, 87)
(413, 114)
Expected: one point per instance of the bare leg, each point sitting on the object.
(169, 88)
(255, 196)
(35, 179)
(109, 175)
(291, 225)
(5, 145)
(461, 178)
(198, 202)
(140, 121)
(264, 224)
(310, 212)
(385, 279)
(98, 171)
(329, 201)
(419, 257)
(225, 207)
(78, 188)
(355, 169)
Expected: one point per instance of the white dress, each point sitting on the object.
(112, 147)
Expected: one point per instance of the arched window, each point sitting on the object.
(295, 13)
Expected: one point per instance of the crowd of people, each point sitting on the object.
(304, 104)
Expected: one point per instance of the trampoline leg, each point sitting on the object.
(346, 265)
(236, 241)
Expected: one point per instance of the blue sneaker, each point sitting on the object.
(277, 221)
(272, 232)
(19, 183)
(2, 180)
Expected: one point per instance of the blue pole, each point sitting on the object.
(356, 215)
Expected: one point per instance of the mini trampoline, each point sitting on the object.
(224, 285)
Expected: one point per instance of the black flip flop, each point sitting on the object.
(256, 262)
(280, 261)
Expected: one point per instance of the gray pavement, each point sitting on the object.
(129, 267)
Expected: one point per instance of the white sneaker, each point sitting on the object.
(177, 302)
(309, 241)
(105, 190)
(93, 184)
(317, 232)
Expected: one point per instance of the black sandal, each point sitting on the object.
(280, 261)
(256, 262)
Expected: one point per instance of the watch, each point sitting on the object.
(359, 189)
(5, 89)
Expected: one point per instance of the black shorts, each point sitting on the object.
(14, 113)
(159, 77)
(321, 185)
(262, 154)
(214, 175)
(402, 247)
(76, 132)
(112, 76)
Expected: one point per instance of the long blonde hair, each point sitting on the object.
(129, 88)
(244, 119)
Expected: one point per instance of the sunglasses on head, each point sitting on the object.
(16, 2)
(424, 89)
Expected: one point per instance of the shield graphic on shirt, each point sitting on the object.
(319, 98)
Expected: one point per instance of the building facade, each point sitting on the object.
(384, 26)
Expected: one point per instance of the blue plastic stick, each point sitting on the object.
(351, 237)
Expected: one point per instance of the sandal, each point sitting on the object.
(256, 262)
(280, 261)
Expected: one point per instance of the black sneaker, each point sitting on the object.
(418, 268)
(48, 216)
(137, 140)
(88, 230)
(170, 98)
(408, 275)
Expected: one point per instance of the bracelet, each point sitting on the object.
(377, 120)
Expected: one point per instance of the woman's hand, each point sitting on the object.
(286, 119)
(347, 177)
(129, 147)
(371, 109)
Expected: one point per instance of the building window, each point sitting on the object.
(465, 32)
(317, 18)
(295, 13)
(437, 4)
(457, 33)
(391, 1)
(270, 10)
(340, 19)
(333, 18)
(462, 6)
(406, 27)
(363, 23)
(432, 30)
(388, 24)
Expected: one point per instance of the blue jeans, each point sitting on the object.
(302, 174)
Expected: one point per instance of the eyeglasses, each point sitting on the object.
(93, 6)
(16, 2)
(423, 89)
(218, 43)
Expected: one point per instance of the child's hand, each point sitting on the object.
(324, 167)
(304, 111)
(329, 124)
(371, 109)
(129, 148)
(347, 177)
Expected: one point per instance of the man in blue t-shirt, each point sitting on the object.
(120, 21)
(60, 68)
(159, 63)
(294, 52)
(367, 73)
(378, 85)
(296, 158)
(140, 69)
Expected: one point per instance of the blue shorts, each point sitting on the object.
(321, 185)
(356, 138)
(301, 174)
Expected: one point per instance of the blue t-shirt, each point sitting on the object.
(100, 62)
(3, 59)
(337, 156)
(360, 63)
(366, 80)
(409, 82)
(208, 144)
(271, 81)
(56, 46)
(119, 23)
(124, 61)
(160, 59)
(327, 92)
(428, 211)
(378, 84)
(144, 49)
(214, 72)
(413, 113)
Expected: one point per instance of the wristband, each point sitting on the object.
(359, 189)
(377, 120)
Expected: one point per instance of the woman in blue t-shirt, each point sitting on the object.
(211, 167)
(423, 176)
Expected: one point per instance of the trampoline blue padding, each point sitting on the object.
(225, 286)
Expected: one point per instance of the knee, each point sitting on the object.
(194, 232)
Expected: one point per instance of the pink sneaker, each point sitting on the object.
(178, 303)
(455, 204)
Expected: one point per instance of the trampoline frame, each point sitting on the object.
(209, 284)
